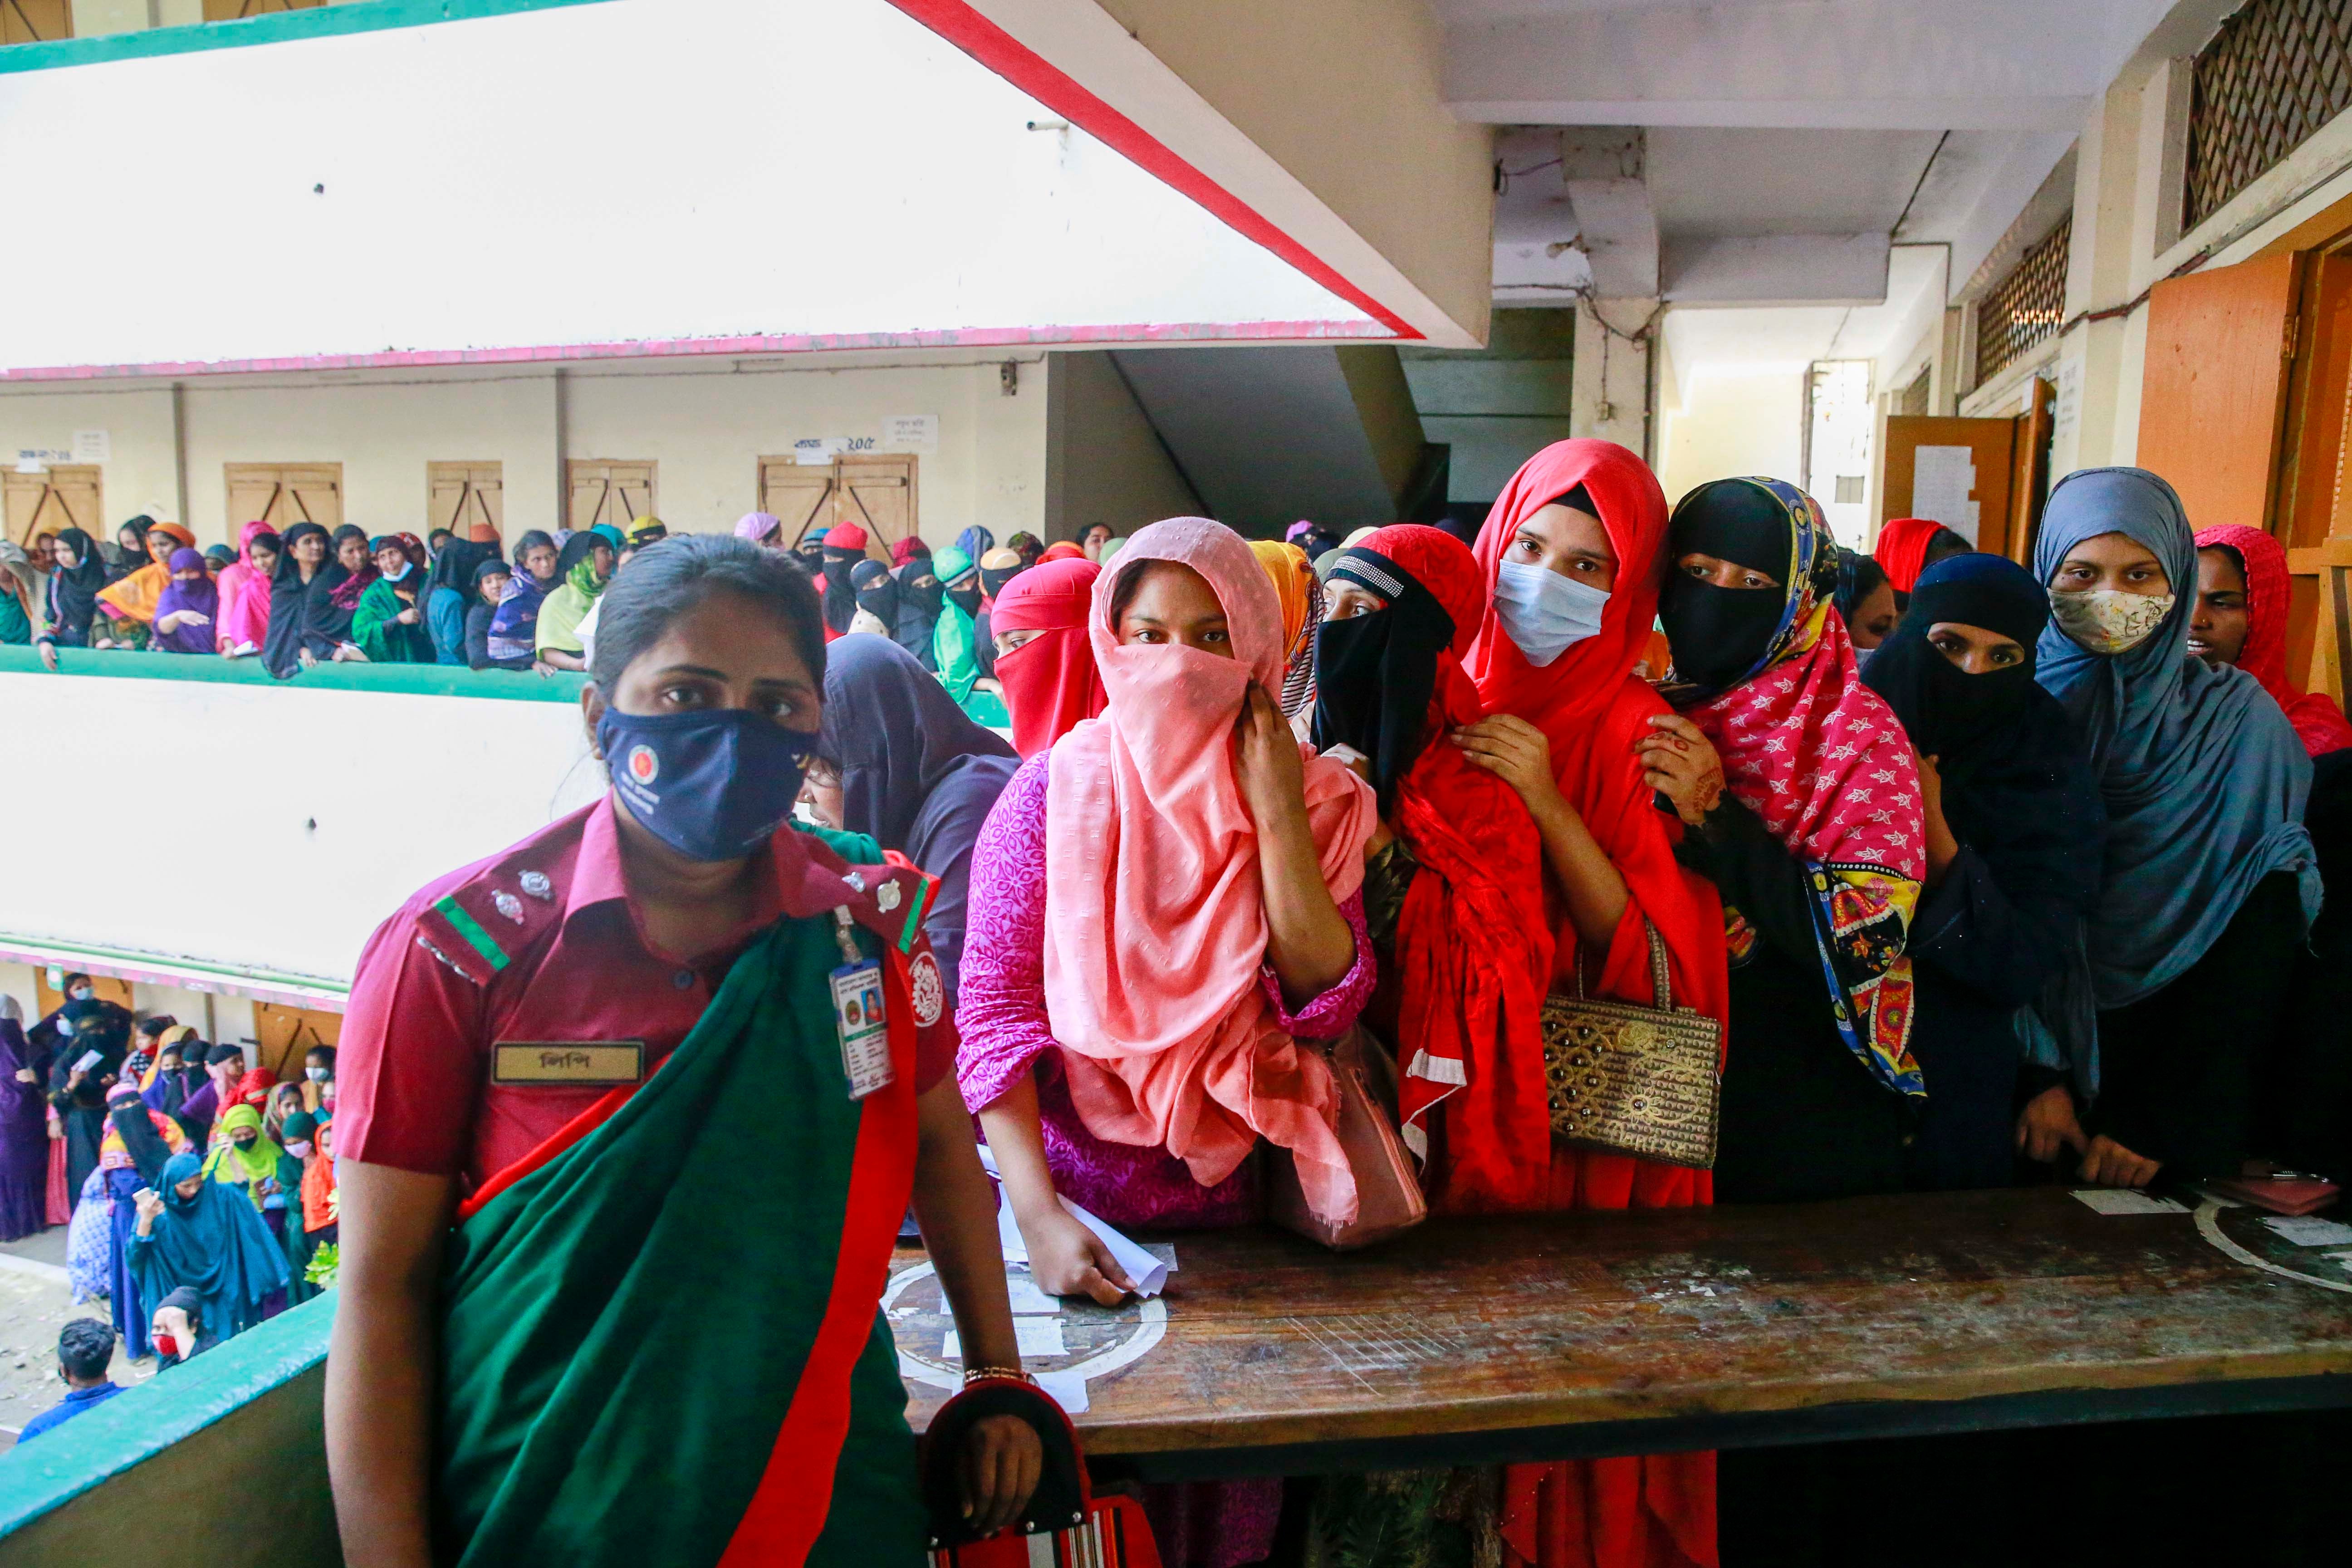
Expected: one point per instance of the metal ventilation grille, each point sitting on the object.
(2277, 71)
(1912, 399)
(2026, 308)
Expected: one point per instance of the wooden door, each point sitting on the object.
(467, 499)
(799, 495)
(105, 987)
(2029, 476)
(67, 497)
(2213, 396)
(283, 494)
(2314, 509)
(236, 10)
(603, 490)
(878, 493)
(1965, 465)
(35, 21)
(281, 1035)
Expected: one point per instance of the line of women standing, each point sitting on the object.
(1930, 908)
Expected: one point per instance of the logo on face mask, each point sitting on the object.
(732, 776)
(2109, 620)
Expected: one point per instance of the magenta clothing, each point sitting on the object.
(1001, 1014)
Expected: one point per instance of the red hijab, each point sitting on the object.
(1593, 707)
(1472, 968)
(1903, 549)
(1061, 550)
(2317, 720)
(1051, 681)
(907, 549)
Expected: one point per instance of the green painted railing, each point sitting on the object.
(418, 680)
(199, 1464)
(277, 26)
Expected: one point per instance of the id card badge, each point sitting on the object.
(864, 1031)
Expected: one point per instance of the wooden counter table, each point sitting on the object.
(1593, 1333)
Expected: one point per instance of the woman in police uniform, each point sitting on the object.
(556, 1343)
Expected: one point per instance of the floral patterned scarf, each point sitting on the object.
(1823, 759)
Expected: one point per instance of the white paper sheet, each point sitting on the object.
(2310, 1230)
(1149, 1268)
(1027, 1298)
(1942, 478)
(2123, 1200)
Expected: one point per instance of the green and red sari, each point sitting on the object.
(660, 1335)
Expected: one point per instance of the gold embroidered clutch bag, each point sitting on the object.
(1630, 1080)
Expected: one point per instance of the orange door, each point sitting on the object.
(2214, 392)
(1956, 471)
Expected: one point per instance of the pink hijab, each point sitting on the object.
(1155, 926)
(244, 595)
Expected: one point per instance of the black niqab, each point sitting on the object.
(841, 590)
(1375, 675)
(919, 601)
(1720, 635)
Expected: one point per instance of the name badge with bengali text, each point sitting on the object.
(568, 1063)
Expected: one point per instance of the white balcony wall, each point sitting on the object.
(261, 826)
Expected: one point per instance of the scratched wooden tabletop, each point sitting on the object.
(1466, 1327)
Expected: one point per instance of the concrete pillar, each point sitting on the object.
(1609, 397)
(2114, 166)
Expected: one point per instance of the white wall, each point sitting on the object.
(708, 433)
(139, 476)
(707, 425)
(384, 435)
(321, 811)
(1729, 425)
(1104, 462)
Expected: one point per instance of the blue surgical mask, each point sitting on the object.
(713, 785)
(1544, 613)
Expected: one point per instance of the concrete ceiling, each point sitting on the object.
(1788, 150)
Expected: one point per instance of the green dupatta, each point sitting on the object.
(660, 1335)
(376, 626)
(953, 641)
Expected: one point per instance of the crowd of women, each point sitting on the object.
(1986, 875)
(197, 1189)
(308, 596)
(1975, 874)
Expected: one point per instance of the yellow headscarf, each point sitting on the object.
(137, 594)
(1287, 566)
(1301, 593)
(243, 1167)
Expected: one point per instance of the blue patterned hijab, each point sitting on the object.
(2202, 775)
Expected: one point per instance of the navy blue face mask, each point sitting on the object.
(712, 784)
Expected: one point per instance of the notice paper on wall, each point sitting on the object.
(911, 433)
(1942, 480)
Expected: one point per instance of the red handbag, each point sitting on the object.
(1389, 1200)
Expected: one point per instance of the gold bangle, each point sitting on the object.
(974, 1373)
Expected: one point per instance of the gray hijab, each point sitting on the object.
(2203, 777)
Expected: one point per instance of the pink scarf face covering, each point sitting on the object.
(1155, 919)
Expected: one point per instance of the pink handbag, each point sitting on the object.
(1388, 1193)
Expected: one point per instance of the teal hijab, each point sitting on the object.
(2202, 776)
